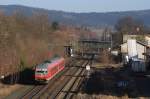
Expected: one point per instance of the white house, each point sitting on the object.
(141, 49)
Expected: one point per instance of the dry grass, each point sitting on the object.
(5, 90)
(105, 57)
(106, 65)
(94, 96)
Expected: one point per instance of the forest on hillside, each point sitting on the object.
(93, 19)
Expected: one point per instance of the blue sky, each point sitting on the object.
(83, 5)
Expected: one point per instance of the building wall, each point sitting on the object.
(124, 48)
(147, 39)
(140, 49)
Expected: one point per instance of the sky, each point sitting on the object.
(83, 5)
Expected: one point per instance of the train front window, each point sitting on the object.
(41, 72)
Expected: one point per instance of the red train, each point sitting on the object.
(47, 70)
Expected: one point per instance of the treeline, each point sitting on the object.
(129, 26)
(29, 40)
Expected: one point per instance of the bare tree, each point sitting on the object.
(129, 25)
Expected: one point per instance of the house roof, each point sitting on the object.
(142, 43)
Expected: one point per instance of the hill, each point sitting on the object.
(93, 19)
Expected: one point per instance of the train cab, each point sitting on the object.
(48, 69)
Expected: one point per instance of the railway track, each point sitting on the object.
(30, 94)
(38, 90)
(71, 86)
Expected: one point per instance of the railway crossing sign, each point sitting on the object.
(88, 68)
(2, 77)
